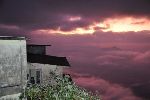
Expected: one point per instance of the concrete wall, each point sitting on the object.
(13, 66)
(45, 68)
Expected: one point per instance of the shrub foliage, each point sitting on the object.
(62, 90)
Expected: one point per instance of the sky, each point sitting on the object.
(107, 42)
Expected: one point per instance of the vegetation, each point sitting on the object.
(62, 90)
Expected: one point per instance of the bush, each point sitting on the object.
(63, 90)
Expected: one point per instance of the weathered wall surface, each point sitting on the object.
(45, 68)
(13, 66)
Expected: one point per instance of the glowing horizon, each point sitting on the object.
(126, 24)
(117, 24)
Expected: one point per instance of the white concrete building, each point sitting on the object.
(40, 65)
(19, 64)
(13, 65)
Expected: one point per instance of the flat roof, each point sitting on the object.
(47, 59)
(37, 45)
(11, 38)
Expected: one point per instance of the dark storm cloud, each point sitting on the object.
(1, 2)
(33, 14)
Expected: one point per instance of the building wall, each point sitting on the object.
(13, 66)
(36, 49)
(45, 70)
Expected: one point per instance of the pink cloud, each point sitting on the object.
(119, 58)
(12, 27)
(107, 90)
(143, 57)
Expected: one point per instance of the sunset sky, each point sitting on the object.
(107, 42)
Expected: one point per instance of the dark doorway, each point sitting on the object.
(38, 76)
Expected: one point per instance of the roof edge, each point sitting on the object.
(11, 38)
(37, 45)
(37, 58)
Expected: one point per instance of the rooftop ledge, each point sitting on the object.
(11, 38)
